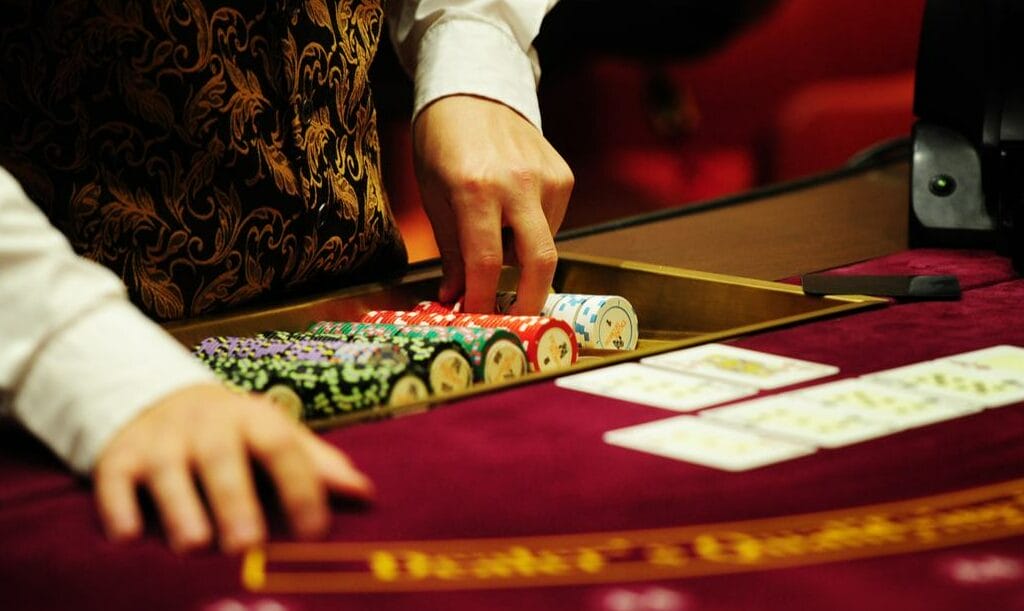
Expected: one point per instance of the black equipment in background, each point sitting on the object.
(967, 186)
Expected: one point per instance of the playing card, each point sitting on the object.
(704, 442)
(652, 386)
(742, 366)
(792, 417)
(899, 408)
(1009, 359)
(990, 388)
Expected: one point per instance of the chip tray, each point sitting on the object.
(676, 308)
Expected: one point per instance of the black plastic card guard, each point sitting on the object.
(904, 287)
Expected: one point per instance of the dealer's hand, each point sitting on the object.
(206, 435)
(482, 167)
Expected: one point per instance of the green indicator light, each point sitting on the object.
(942, 185)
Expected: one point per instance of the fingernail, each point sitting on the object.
(123, 527)
(192, 536)
(313, 524)
(242, 536)
(363, 483)
(119, 533)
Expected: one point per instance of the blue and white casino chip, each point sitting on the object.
(565, 305)
(601, 322)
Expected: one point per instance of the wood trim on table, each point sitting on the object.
(824, 225)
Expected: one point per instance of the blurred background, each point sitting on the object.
(666, 103)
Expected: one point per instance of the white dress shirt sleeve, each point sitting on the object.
(477, 47)
(77, 360)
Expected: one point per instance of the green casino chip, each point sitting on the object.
(494, 355)
(324, 389)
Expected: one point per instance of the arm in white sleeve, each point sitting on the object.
(77, 360)
(477, 47)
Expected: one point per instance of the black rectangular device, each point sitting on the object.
(968, 163)
(903, 287)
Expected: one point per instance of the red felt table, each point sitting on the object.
(512, 501)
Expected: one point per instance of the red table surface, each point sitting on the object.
(530, 462)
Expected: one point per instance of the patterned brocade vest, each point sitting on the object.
(208, 152)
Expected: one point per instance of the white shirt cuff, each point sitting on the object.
(93, 377)
(462, 54)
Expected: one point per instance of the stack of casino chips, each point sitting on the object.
(315, 378)
(549, 344)
(436, 358)
(601, 322)
(285, 346)
(494, 355)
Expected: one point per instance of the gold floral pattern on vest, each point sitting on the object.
(208, 152)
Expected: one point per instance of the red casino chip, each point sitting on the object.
(396, 317)
(550, 344)
(436, 307)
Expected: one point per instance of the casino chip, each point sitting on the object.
(495, 355)
(432, 353)
(286, 399)
(328, 377)
(600, 322)
(285, 346)
(550, 344)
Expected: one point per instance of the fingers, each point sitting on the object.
(534, 239)
(223, 469)
(479, 227)
(336, 470)
(467, 227)
(208, 434)
(165, 473)
(537, 256)
(557, 191)
(442, 220)
(116, 502)
(483, 166)
(181, 512)
(298, 486)
(453, 283)
(472, 254)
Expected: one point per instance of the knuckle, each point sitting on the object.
(158, 464)
(273, 441)
(568, 180)
(115, 464)
(484, 263)
(213, 451)
(544, 260)
(562, 178)
(547, 258)
(524, 178)
(470, 183)
(162, 455)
